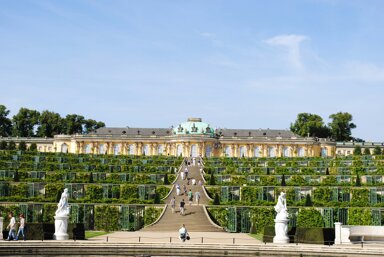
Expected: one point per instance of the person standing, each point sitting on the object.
(190, 197)
(21, 227)
(12, 227)
(197, 197)
(173, 204)
(182, 206)
(183, 233)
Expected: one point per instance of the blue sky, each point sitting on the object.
(235, 63)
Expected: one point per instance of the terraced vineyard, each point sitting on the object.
(128, 189)
(101, 187)
(348, 189)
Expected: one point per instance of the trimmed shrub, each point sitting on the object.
(310, 218)
(107, 217)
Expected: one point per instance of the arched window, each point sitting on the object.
(243, 151)
(300, 152)
(131, 149)
(256, 151)
(208, 151)
(64, 148)
(179, 150)
(101, 149)
(88, 148)
(287, 152)
(160, 149)
(228, 151)
(271, 151)
(116, 149)
(194, 151)
(324, 152)
(146, 150)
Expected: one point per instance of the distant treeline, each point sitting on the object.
(31, 123)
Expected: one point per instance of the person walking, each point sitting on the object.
(182, 207)
(177, 189)
(173, 204)
(12, 227)
(183, 233)
(185, 189)
(190, 197)
(21, 227)
(197, 197)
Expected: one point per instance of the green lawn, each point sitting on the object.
(257, 236)
(89, 233)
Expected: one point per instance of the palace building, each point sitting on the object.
(191, 138)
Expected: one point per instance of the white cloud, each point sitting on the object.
(291, 43)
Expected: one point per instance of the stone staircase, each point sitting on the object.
(195, 218)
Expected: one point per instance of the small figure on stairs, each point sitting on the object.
(173, 204)
(183, 233)
(182, 206)
(190, 197)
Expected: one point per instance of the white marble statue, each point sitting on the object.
(281, 220)
(61, 217)
(62, 206)
(281, 207)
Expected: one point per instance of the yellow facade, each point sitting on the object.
(191, 138)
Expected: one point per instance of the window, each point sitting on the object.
(287, 152)
(208, 151)
(257, 151)
(179, 150)
(271, 151)
(228, 151)
(300, 152)
(243, 151)
(64, 148)
(160, 149)
(101, 149)
(131, 149)
(116, 149)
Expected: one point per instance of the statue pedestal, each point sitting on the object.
(281, 231)
(61, 227)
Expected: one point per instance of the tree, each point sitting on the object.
(341, 126)
(11, 145)
(91, 125)
(166, 181)
(216, 199)
(50, 124)
(73, 124)
(367, 151)
(308, 124)
(24, 122)
(5, 122)
(308, 200)
(22, 146)
(3, 145)
(33, 147)
(377, 150)
(358, 181)
(212, 180)
(283, 184)
(357, 150)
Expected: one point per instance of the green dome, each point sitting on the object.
(194, 126)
